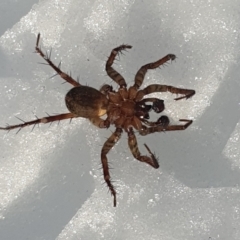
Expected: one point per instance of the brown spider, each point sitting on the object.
(125, 108)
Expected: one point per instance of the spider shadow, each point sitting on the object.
(198, 158)
(51, 202)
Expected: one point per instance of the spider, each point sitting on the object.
(126, 108)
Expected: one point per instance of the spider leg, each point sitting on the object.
(63, 75)
(47, 119)
(98, 122)
(112, 73)
(142, 71)
(165, 127)
(105, 89)
(132, 143)
(108, 145)
(165, 88)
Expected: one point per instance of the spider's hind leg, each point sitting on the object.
(112, 73)
(108, 145)
(48, 119)
(63, 75)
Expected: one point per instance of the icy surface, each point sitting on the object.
(50, 182)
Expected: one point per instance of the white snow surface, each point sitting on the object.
(51, 183)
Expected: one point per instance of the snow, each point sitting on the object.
(51, 183)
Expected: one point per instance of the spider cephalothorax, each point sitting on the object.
(126, 108)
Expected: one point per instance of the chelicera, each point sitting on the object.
(126, 108)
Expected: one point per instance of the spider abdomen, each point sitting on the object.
(86, 102)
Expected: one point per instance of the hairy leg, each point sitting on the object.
(165, 88)
(132, 143)
(47, 119)
(142, 71)
(165, 127)
(108, 145)
(112, 73)
(63, 75)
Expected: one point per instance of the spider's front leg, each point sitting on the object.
(187, 93)
(112, 73)
(132, 143)
(48, 119)
(143, 70)
(165, 127)
(63, 75)
(139, 77)
(108, 145)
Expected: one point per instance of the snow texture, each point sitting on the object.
(51, 184)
